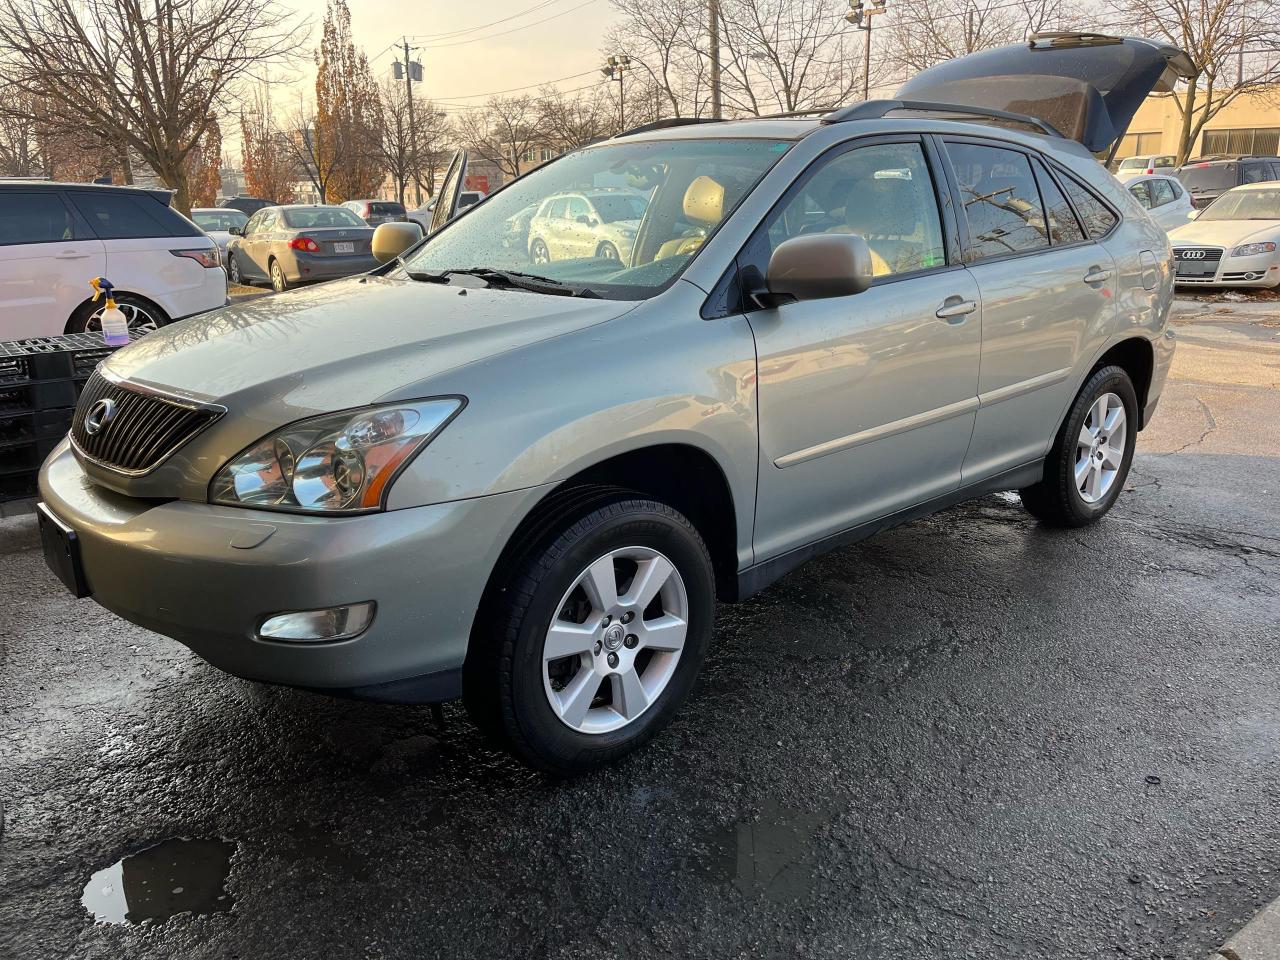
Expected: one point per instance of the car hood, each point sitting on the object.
(1224, 233)
(344, 344)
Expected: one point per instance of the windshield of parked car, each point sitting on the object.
(218, 219)
(1207, 178)
(678, 190)
(1244, 205)
(308, 218)
(1134, 163)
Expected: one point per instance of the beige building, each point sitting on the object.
(1250, 124)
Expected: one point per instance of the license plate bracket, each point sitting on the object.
(344, 247)
(61, 548)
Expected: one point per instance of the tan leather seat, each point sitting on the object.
(704, 206)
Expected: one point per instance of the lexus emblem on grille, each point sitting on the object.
(99, 415)
(1191, 254)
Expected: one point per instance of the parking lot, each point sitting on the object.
(966, 737)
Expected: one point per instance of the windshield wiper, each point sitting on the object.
(510, 279)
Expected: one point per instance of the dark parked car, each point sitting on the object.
(246, 205)
(1207, 178)
(300, 243)
(374, 212)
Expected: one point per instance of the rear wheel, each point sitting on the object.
(142, 315)
(233, 271)
(597, 638)
(1090, 459)
(279, 282)
(608, 251)
(539, 252)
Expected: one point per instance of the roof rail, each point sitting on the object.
(876, 109)
(666, 122)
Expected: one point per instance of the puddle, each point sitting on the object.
(172, 877)
(775, 856)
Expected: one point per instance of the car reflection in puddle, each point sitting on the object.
(161, 881)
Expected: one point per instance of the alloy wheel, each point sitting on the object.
(233, 268)
(615, 641)
(1100, 448)
(138, 316)
(540, 252)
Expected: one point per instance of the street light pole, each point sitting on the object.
(860, 16)
(615, 67)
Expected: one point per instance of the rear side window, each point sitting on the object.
(1143, 192)
(1001, 201)
(34, 218)
(1161, 193)
(382, 209)
(1063, 226)
(1097, 216)
(1256, 173)
(127, 216)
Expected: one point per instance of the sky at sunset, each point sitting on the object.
(460, 61)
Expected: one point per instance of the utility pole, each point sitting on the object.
(413, 123)
(615, 67)
(860, 16)
(713, 26)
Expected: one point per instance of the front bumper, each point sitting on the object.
(208, 575)
(300, 267)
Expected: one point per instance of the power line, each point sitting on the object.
(503, 33)
(492, 23)
(527, 86)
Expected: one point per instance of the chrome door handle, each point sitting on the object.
(954, 310)
(71, 255)
(1097, 275)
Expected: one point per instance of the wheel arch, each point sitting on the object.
(1136, 356)
(88, 301)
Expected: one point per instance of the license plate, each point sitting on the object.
(344, 248)
(62, 551)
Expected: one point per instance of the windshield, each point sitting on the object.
(1207, 178)
(1244, 205)
(218, 219)
(1134, 163)
(307, 218)
(674, 192)
(382, 209)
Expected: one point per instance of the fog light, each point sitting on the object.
(310, 626)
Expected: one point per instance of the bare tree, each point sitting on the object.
(916, 34)
(266, 152)
(502, 131)
(398, 138)
(567, 121)
(314, 158)
(20, 141)
(1234, 46)
(665, 40)
(155, 72)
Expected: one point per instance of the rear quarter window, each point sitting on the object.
(130, 216)
(1098, 218)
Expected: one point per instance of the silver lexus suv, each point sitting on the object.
(527, 484)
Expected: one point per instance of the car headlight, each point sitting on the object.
(1249, 249)
(337, 463)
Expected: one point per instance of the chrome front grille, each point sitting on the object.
(131, 431)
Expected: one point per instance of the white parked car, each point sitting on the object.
(56, 237)
(1131, 167)
(1164, 198)
(218, 222)
(1234, 242)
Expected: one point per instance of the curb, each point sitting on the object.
(1259, 939)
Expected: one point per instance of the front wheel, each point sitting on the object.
(598, 638)
(1090, 458)
(608, 251)
(539, 252)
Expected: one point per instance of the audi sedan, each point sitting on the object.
(1233, 242)
(300, 243)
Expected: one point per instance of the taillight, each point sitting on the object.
(305, 244)
(204, 257)
(1149, 170)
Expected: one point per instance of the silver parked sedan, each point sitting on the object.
(221, 224)
(300, 243)
(528, 486)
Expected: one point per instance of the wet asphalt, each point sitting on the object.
(969, 737)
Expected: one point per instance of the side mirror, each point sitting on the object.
(816, 267)
(583, 219)
(394, 238)
(236, 231)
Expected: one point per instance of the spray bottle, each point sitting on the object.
(115, 328)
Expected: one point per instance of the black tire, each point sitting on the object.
(504, 684)
(279, 282)
(140, 312)
(235, 275)
(1056, 500)
(607, 251)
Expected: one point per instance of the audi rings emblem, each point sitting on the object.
(99, 415)
(1191, 254)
